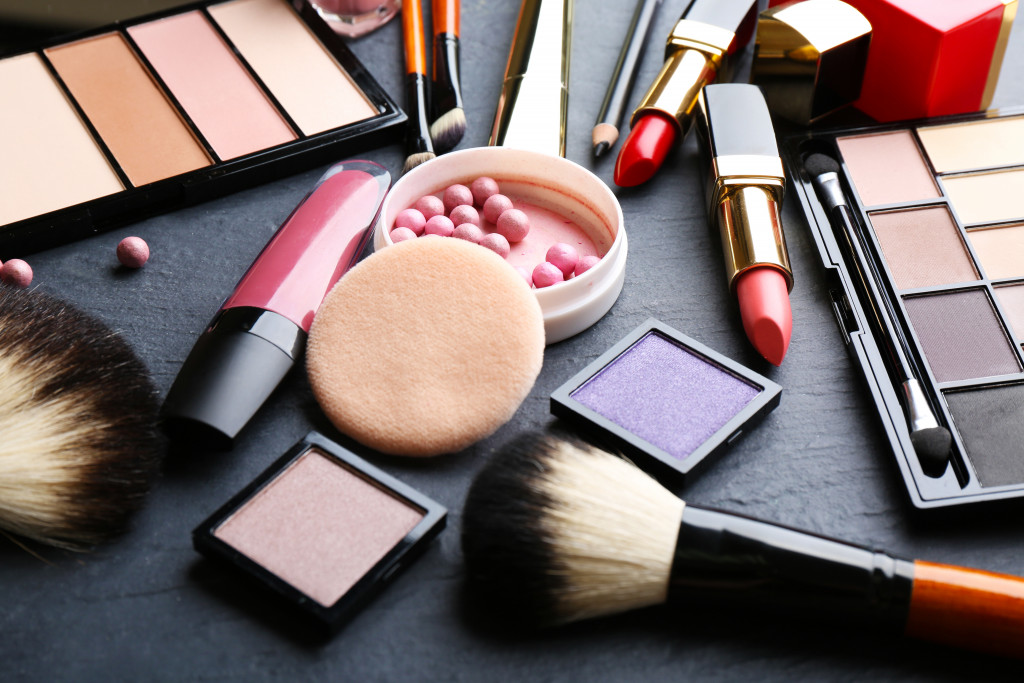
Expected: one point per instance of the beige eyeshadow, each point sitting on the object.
(1011, 299)
(50, 161)
(987, 197)
(1000, 250)
(132, 115)
(313, 88)
(976, 145)
(923, 247)
(319, 526)
(887, 168)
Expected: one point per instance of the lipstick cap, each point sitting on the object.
(810, 58)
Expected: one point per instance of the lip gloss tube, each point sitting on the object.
(260, 331)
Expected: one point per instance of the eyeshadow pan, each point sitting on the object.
(990, 421)
(975, 145)
(887, 168)
(1000, 250)
(923, 247)
(50, 159)
(213, 88)
(319, 526)
(1011, 298)
(131, 114)
(987, 197)
(961, 335)
(313, 88)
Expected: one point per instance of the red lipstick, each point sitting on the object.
(259, 333)
(699, 50)
(744, 188)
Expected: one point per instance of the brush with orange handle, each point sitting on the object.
(449, 123)
(418, 146)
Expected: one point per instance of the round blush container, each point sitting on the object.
(553, 188)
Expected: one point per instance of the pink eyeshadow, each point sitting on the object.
(887, 168)
(319, 526)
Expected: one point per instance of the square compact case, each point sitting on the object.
(665, 401)
(171, 109)
(323, 529)
(936, 248)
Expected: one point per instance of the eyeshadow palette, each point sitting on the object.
(665, 401)
(322, 528)
(941, 211)
(172, 109)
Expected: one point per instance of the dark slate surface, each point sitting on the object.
(146, 608)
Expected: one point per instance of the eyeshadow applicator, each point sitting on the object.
(418, 145)
(931, 442)
(554, 532)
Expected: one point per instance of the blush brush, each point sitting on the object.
(78, 443)
(555, 532)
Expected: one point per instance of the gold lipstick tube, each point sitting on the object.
(745, 179)
(699, 50)
(534, 104)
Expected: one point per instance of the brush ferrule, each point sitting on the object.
(723, 556)
(829, 189)
(919, 413)
(447, 91)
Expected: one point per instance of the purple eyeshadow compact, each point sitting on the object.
(322, 528)
(664, 400)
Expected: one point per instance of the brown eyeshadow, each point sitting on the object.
(961, 336)
(132, 115)
(887, 168)
(319, 526)
(923, 247)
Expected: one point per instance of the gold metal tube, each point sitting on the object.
(751, 227)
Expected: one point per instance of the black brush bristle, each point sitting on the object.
(816, 164)
(507, 551)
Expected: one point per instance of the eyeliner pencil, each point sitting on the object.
(449, 124)
(931, 442)
(418, 147)
(606, 130)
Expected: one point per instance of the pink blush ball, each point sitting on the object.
(412, 219)
(514, 225)
(469, 232)
(133, 252)
(564, 257)
(497, 244)
(439, 225)
(464, 213)
(456, 195)
(482, 188)
(546, 274)
(402, 234)
(496, 205)
(16, 273)
(429, 206)
(586, 263)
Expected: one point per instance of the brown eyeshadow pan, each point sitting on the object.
(923, 247)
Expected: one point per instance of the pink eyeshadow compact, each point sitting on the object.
(322, 528)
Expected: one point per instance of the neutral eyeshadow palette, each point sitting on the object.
(171, 109)
(665, 401)
(321, 528)
(941, 203)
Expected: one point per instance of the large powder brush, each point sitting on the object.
(78, 444)
(555, 532)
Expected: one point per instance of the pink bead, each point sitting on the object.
(514, 225)
(16, 273)
(429, 206)
(546, 274)
(412, 219)
(464, 213)
(564, 257)
(496, 205)
(133, 252)
(497, 244)
(469, 232)
(439, 225)
(526, 274)
(456, 195)
(401, 235)
(586, 263)
(482, 188)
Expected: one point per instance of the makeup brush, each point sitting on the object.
(78, 444)
(931, 442)
(555, 532)
(418, 147)
(449, 116)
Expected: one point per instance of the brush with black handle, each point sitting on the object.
(554, 532)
